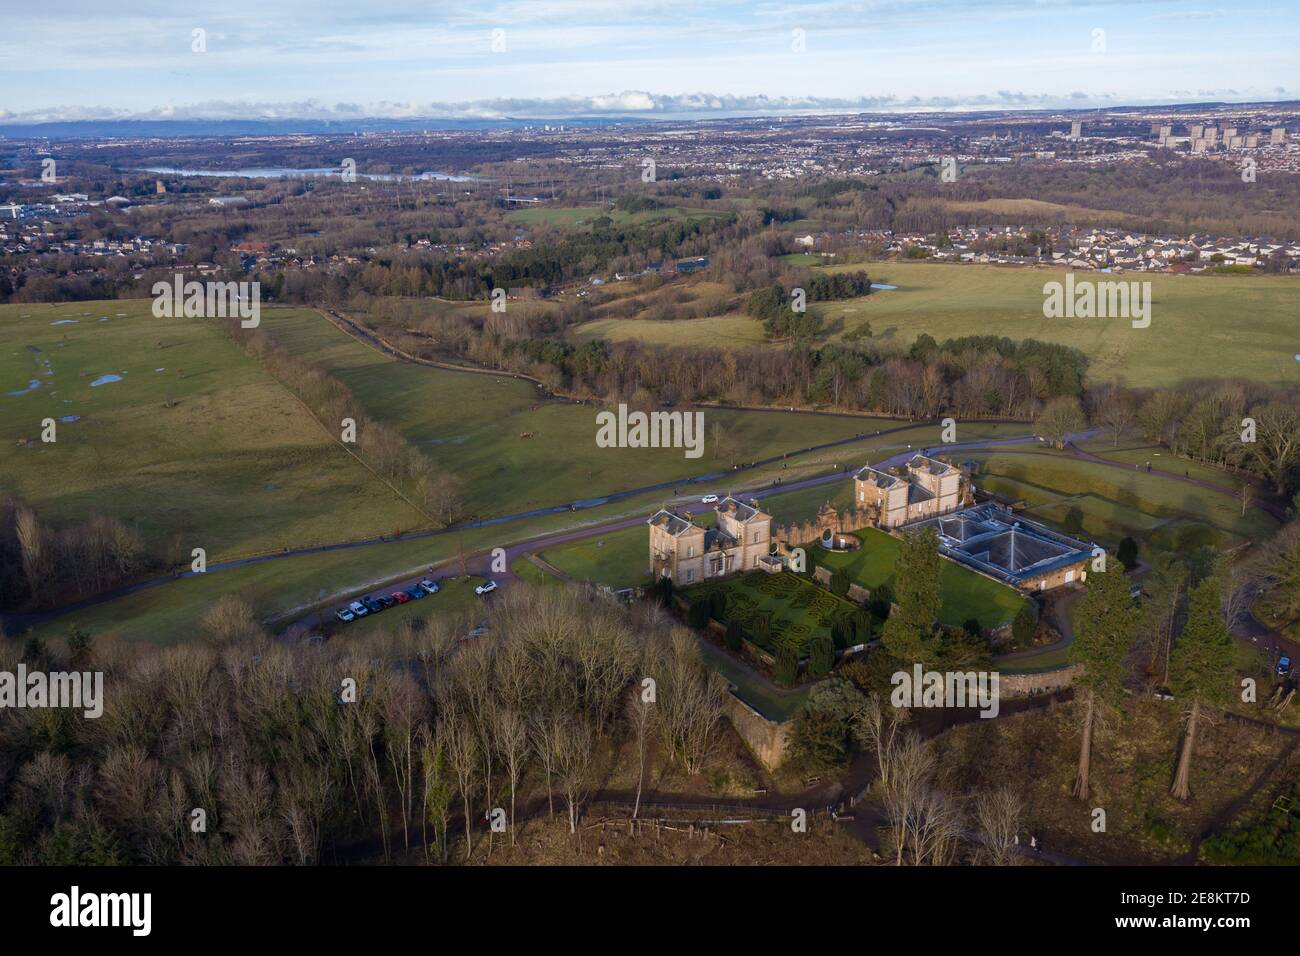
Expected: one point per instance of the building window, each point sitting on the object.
(690, 551)
(690, 576)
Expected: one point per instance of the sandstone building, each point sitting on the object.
(689, 553)
(930, 488)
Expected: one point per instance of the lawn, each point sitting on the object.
(965, 594)
(1156, 510)
(474, 425)
(619, 559)
(730, 330)
(235, 465)
(1190, 335)
(798, 610)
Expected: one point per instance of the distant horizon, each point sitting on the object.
(362, 122)
(75, 60)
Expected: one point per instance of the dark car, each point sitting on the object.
(415, 593)
(386, 600)
(373, 606)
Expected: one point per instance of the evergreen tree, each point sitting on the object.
(1200, 668)
(786, 668)
(908, 632)
(1105, 621)
(821, 655)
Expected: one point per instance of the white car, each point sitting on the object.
(485, 588)
(429, 587)
(709, 499)
(345, 614)
(358, 609)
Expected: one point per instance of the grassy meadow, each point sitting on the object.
(515, 451)
(193, 441)
(1201, 326)
(1158, 511)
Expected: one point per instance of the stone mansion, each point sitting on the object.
(989, 538)
(930, 488)
(689, 553)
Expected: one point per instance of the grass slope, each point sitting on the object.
(235, 466)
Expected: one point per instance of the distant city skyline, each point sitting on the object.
(330, 59)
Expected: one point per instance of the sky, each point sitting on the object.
(92, 59)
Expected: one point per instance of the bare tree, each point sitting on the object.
(510, 733)
(640, 713)
(456, 730)
(690, 701)
(880, 728)
(913, 765)
(997, 814)
(573, 765)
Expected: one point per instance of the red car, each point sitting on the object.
(401, 597)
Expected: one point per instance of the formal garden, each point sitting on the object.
(967, 596)
(784, 617)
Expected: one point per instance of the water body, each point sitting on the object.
(70, 418)
(286, 172)
(65, 322)
(883, 287)
(105, 379)
(32, 386)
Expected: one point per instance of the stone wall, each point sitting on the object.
(810, 532)
(767, 739)
(1020, 685)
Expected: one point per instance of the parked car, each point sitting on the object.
(430, 587)
(372, 605)
(386, 600)
(358, 609)
(709, 499)
(414, 592)
(1283, 666)
(345, 614)
(485, 588)
(401, 597)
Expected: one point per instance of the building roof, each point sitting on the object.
(671, 522)
(878, 478)
(742, 511)
(1010, 547)
(932, 465)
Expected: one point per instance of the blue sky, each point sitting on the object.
(65, 59)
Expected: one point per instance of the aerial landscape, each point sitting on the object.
(547, 435)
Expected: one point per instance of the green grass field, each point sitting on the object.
(472, 425)
(619, 559)
(733, 331)
(236, 465)
(1156, 510)
(965, 594)
(1201, 326)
